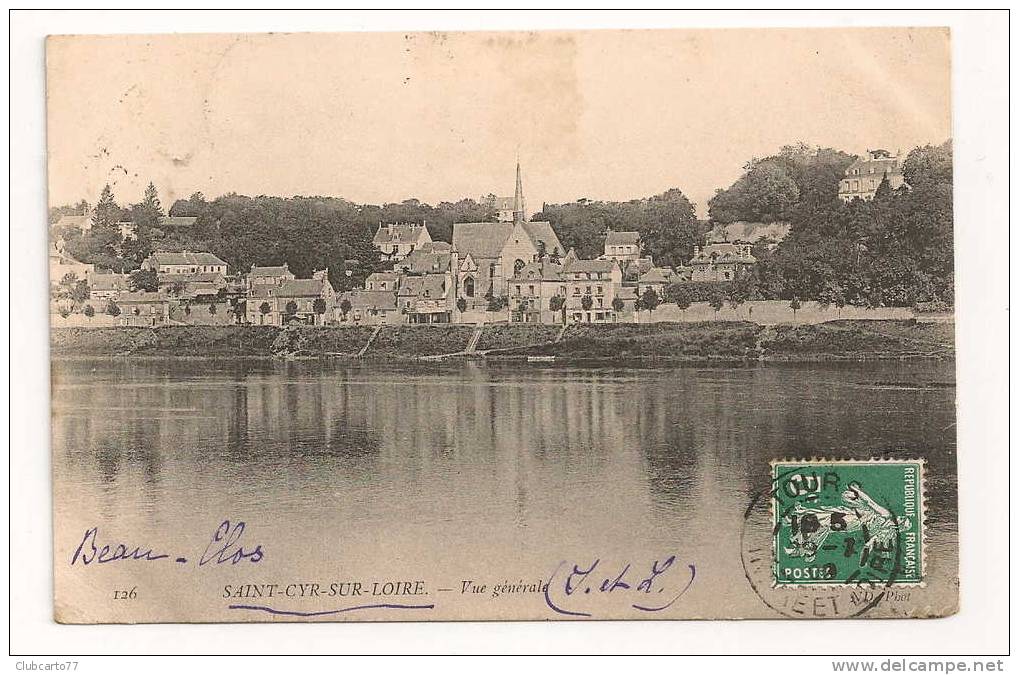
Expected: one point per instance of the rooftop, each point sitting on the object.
(486, 240)
(613, 238)
(269, 271)
(589, 266)
(425, 286)
(185, 258)
(301, 288)
(361, 299)
(398, 232)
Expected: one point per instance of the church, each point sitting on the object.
(490, 254)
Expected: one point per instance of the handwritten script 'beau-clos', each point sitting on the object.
(224, 547)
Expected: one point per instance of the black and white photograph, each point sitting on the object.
(558, 325)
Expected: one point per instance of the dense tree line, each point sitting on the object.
(307, 233)
(894, 250)
(667, 223)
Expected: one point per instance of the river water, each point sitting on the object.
(460, 472)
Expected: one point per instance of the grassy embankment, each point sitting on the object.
(713, 340)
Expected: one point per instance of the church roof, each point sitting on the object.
(481, 240)
(541, 230)
(486, 240)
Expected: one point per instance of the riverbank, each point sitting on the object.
(704, 341)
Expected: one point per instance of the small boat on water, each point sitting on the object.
(540, 359)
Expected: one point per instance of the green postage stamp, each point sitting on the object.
(848, 523)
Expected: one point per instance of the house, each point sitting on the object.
(108, 285)
(398, 240)
(292, 300)
(273, 275)
(622, 246)
(383, 281)
(184, 263)
(143, 309)
(428, 298)
(166, 224)
(62, 264)
(863, 176)
(503, 209)
(657, 278)
(721, 261)
(532, 289)
(369, 308)
(753, 232)
(429, 259)
(170, 223)
(490, 254)
(598, 280)
(81, 222)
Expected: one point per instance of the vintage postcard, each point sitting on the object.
(649, 324)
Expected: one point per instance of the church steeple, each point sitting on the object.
(518, 199)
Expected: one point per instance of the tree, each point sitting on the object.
(928, 165)
(557, 303)
(716, 301)
(81, 291)
(345, 306)
(107, 213)
(741, 289)
(64, 311)
(794, 305)
(649, 300)
(191, 207)
(69, 279)
(884, 188)
(618, 305)
(212, 309)
(264, 309)
(151, 199)
(319, 306)
(587, 302)
(678, 293)
(113, 309)
(763, 194)
(290, 309)
(144, 280)
(461, 305)
(89, 311)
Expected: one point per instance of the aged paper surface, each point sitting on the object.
(555, 325)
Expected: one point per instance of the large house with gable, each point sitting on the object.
(291, 300)
(396, 241)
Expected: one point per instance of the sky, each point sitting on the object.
(383, 117)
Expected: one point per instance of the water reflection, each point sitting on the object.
(443, 460)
